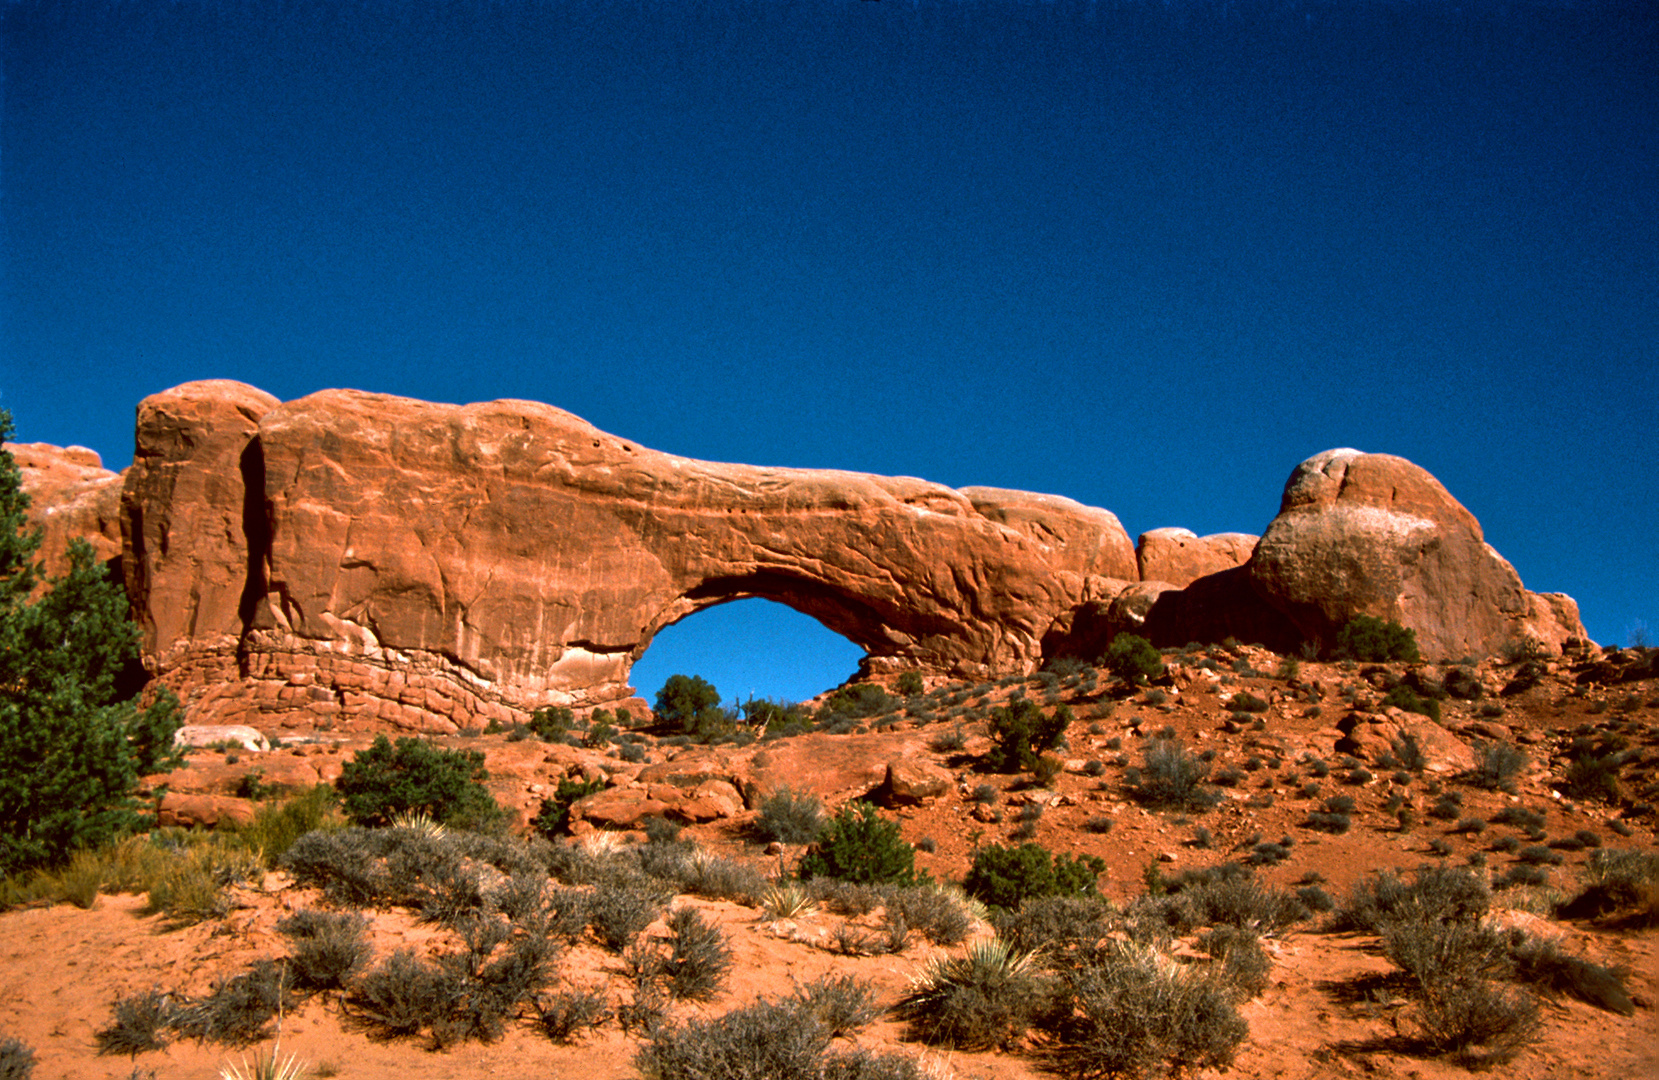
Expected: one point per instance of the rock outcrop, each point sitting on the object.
(363, 561)
(189, 502)
(426, 566)
(71, 496)
(1181, 558)
(1374, 534)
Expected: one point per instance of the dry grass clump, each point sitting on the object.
(1132, 1009)
(401, 996)
(240, 1009)
(17, 1059)
(769, 1040)
(1619, 883)
(139, 1025)
(565, 1014)
(329, 948)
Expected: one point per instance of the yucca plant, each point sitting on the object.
(787, 901)
(984, 998)
(266, 1067)
(418, 821)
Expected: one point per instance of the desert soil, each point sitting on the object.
(1331, 1008)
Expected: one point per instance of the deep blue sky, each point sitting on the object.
(1146, 255)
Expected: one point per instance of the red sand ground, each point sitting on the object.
(61, 967)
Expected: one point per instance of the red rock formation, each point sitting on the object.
(370, 561)
(71, 496)
(425, 565)
(1376, 535)
(184, 522)
(1181, 558)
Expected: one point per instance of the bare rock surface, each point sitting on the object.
(185, 518)
(191, 811)
(72, 497)
(356, 562)
(203, 735)
(1374, 534)
(1181, 557)
(367, 559)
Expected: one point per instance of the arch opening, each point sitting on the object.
(749, 647)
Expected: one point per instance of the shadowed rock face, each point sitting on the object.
(437, 563)
(370, 561)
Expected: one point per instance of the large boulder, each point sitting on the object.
(71, 497)
(1374, 534)
(1180, 557)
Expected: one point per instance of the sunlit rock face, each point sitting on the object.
(360, 556)
(1180, 557)
(364, 561)
(1374, 534)
(72, 497)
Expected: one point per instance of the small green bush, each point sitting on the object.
(1594, 774)
(1436, 894)
(564, 1014)
(415, 777)
(402, 995)
(1008, 876)
(552, 723)
(1404, 697)
(769, 1040)
(842, 1004)
(139, 1025)
(860, 701)
(862, 847)
(1244, 963)
(240, 1009)
(1022, 731)
(1134, 1011)
(553, 819)
(1133, 659)
(1520, 817)
(328, 947)
(690, 704)
(17, 1059)
(699, 959)
(934, 910)
(620, 910)
(986, 998)
(1053, 925)
(1479, 1023)
(1366, 637)
(1497, 766)
(910, 683)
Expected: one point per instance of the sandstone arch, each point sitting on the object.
(427, 565)
(361, 558)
